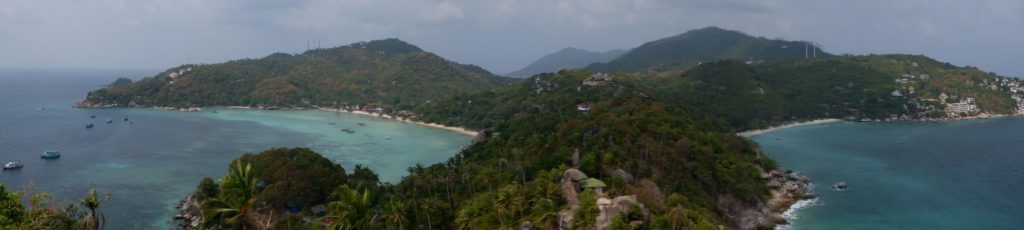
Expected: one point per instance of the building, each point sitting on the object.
(965, 106)
(583, 107)
(598, 79)
(593, 183)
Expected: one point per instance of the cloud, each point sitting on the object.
(500, 35)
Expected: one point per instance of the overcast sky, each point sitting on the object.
(500, 35)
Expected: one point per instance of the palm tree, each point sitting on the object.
(95, 219)
(351, 210)
(394, 212)
(232, 205)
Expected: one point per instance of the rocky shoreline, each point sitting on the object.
(189, 215)
(787, 187)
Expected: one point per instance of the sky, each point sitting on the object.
(499, 35)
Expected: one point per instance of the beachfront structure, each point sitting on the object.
(965, 106)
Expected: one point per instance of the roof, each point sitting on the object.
(592, 183)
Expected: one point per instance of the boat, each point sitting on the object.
(50, 154)
(362, 124)
(348, 130)
(110, 121)
(387, 138)
(89, 126)
(92, 116)
(332, 123)
(841, 186)
(13, 165)
(125, 119)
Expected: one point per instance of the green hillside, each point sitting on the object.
(703, 45)
(384, 71)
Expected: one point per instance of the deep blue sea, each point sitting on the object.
(907, 175)
(149, 164)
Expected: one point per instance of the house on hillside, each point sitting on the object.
(595, 184)
(583, 107)
(598, 79)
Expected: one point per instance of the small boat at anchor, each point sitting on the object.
(110, 121)
(841, 186)
(348, 130)
(50, 154)
(13, 165)
(89, 126)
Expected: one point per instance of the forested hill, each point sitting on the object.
(746, 96)
(565, 59)
(704, 45)
(875, 87)
(386, 71)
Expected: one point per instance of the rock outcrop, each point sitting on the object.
(786, 189)
(611, 208)
(189, 214)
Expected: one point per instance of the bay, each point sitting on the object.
(907, 175)
(157, 157)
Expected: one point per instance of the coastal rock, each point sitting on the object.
(787, 187)
(189, 215)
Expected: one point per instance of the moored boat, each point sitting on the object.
(110, 121)
(841, 186)
(89, 126)
(13, 165)
(50, 154)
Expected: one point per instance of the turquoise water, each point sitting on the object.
(150, 164)
(948, 175)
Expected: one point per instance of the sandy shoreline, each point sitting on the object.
(461, 130)
(756, 132)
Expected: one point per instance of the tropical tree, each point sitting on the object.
(393, 213)
(230, 208)
(95, 219)
(350, 210)
(12, 211)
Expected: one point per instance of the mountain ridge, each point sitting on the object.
(704, 45)
(565, 58)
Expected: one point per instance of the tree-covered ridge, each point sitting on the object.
(705, 45)
(638, 143)
(383, 72)
(875, 87)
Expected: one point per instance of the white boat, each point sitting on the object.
(13, 165)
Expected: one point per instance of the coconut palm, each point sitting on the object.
(231, 206)
(350, 211)
(394, 212)
(95, 219)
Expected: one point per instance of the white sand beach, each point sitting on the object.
(756, 132)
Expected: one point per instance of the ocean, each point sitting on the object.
(148, 164)
(907, 175)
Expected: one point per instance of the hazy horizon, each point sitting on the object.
(500, 36)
